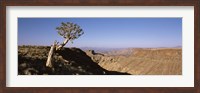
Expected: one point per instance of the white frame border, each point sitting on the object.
(184, 80)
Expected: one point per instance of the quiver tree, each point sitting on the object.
(69, 31)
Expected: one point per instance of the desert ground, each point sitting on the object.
(147, 61)
(74, 61)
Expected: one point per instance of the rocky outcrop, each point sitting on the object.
(67, 61)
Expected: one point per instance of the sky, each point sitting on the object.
(104, 32)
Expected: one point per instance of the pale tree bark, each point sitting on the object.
(62, 45)
(51, 52)
(54, 48)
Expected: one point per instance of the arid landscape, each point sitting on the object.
(141, 61)
(100, 46)
(74, 61)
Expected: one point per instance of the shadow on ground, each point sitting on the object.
(68, 61)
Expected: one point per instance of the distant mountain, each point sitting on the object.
(119, 51)
(100, 50)
(178, 47)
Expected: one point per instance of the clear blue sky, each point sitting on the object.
(104, 32)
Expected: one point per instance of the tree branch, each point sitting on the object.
(63, 44)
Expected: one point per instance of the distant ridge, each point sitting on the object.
(121, 51)
(100, 50)
(178, 47)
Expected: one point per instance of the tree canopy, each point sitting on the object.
(69, 30)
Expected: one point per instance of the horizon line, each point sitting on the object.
(104, 47)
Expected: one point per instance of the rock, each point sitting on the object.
(30, 71)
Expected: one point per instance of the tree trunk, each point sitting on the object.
(63, 44)
(51, 52)
(54, 48)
